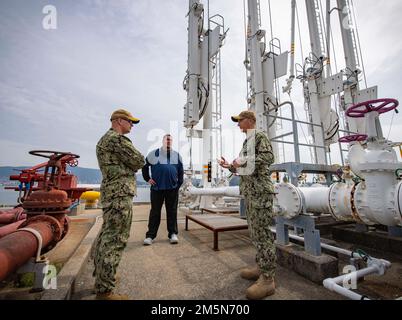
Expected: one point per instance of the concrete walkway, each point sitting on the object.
(191, 270)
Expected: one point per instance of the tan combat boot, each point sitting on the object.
(111, 296)
(251, 273)
(263, 287)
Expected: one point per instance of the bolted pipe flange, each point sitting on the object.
(288, 200)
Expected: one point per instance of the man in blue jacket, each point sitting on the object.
(165, 180)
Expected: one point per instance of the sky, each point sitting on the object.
(59, 86)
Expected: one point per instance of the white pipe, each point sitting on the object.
(374, 266)
(333, 283)
(194, 66)
(316, 199)
(328, 17)
(215, 192)
(381, 204)
(377, 266)
(344, 252)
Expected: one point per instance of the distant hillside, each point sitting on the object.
(85, 175)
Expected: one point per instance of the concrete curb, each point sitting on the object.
(71, 270)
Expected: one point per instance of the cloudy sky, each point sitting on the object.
(59, 87)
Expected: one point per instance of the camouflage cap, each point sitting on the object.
(124, 114)
(245, 115)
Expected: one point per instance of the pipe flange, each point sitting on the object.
(339, 201)
(360, 215)
(398, 201)
(333, 210)
(355, 213)
(289, 199)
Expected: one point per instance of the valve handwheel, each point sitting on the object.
(353, 138)
(381, 106)
(55, 155)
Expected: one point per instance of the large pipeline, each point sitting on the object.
(12, 215)
(18, 247)
(339, 200)
(10, 228)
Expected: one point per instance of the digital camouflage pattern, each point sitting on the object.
(111, 242)
(118, 161)
(258, 190)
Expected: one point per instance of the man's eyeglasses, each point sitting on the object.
(129, 121)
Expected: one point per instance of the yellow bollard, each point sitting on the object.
(91, 199)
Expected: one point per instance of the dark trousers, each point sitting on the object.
(170, 197)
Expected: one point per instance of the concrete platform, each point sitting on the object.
(190, 270)
(316, 269)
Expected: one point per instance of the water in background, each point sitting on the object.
(9, 197)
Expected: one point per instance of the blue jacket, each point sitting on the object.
(166, 169)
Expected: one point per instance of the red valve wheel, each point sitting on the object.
(56, 155)
(353, 138)
(381, 106)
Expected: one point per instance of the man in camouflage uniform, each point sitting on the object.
(256, 186)
(118, 161)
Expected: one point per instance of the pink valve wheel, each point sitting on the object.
(381, 106)
(353, 138)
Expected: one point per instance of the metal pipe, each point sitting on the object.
(7, 218)
(17, 248)
(12, 215)
(215, 192)
(316, 199)
(289, 82)
(344, 252)
(10, 218)
(9, 211)
(292, 41)
(192, 108)
(256, 64)
(333, 284)
(328, 17)
(375, 266)
(10, 228)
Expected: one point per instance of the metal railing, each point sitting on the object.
(295, 132)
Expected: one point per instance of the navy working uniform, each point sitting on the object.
(118, 160)
(258, 190)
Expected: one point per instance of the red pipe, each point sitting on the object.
(8, 218)
(14, 210)
(18, 247)
(10, 228)
(12, 215)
